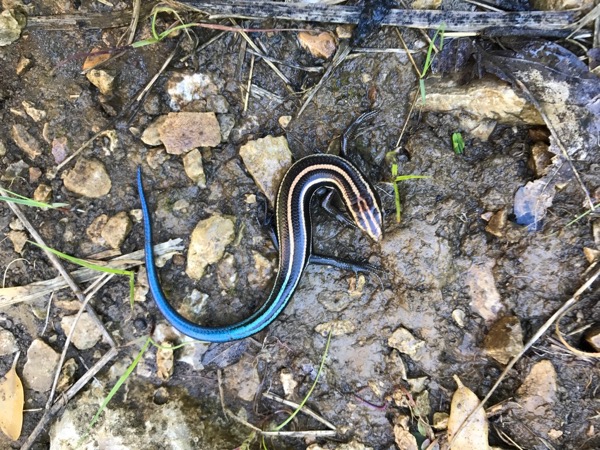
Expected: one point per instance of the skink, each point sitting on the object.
(294, 235)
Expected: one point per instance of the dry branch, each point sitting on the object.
(455, 20)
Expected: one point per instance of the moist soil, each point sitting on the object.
(424, 260)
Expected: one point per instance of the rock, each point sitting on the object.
(39, 369)
(138, 423)
(485, 98)
(18, 239)
(288, 383)
(34, 174)
(559, 5)
(417, 385)
(497, 223)
(485, 299)
(94, 231)
(190, 90)
(537, 396)
(404, 438)
(156, 157)
(11, 24)
(207, 244)
(165, 361)
(459, 317)
(117, 228)
(505, 339)
(2, 149)
(67, 375)
(26, 141)
(60, 149)
(8, 343)
(241, 379)
(217, 103)
(592, 337)
(591, 254)
(284, 121)
(36, 114)
(192, 164)
(192, 354)
(151, 135)
(337, 327)
(226, 122)
(227, 272)
(541, 159)
(86, 335)
(440, 420)
(23, 65)
(43, 193)
(184, 131)
(267, 160)
(102, 80)
(262, 273)
(406, 343)
(88, 178)
(321, 45)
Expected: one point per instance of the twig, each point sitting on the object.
(249, 88)
(61, 269)
(304, 409)
(135, 17)
(101, 282)
(454, 20)
(556, 316)
(278, 72)
(68, 395)
(33, 291)
(300, 434)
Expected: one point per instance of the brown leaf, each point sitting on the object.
(11, 403)
(474, 435)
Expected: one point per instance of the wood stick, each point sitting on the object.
(454, 20)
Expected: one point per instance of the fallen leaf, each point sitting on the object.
(11, 403)
(474, 435)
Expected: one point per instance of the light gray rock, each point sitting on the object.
(194, 169)
(117, 228)
(406, 343)
(207, 244)
(26, 141)
(8, 343)
(86, 335)
(39, 369)
(88, 178)
(267, 160)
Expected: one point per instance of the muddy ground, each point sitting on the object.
(426, 260)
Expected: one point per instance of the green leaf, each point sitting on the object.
(458, 144)
(89, 265)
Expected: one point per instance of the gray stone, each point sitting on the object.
(88, 178)
(26, 141)
(86, 335)
(184, 131)
(192, 164)
(267, 160)
(117, 228)
(406, 343)
(8, 343)
(207, 244)
(39, 369)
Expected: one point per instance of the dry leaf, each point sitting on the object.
(474, 435)
(11, 403)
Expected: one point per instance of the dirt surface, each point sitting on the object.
(427, 261)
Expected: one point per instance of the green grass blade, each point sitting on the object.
(22, 200)
(396, 193)
(458, 145)
(310, 391)
(410, 177)
(581, 216)
(88, 265)
(119, 383)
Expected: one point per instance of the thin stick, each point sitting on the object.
(269, 63)
(304, 409)
(63, 400)
(556, 316)
(101, 282)
(250, 74)
(61, 269)
(454, 20)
